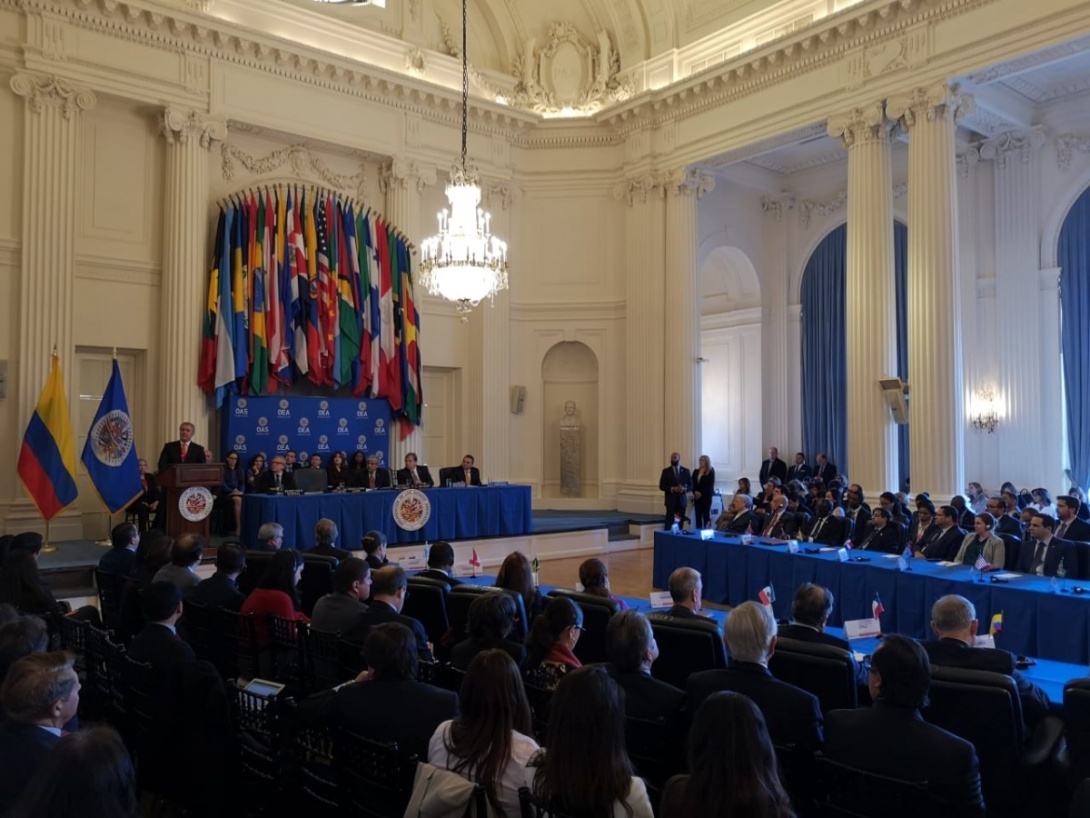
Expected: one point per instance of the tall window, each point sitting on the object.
(1073, 255)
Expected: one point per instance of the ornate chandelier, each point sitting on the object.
(464, 262)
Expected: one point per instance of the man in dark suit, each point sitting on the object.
(441, 563)
(810, 610)
(414, 474)
(923, 528)
(793, 715)
(825, 528)
(954, 623)
(780, 523)
(468, 474)
(745, 519)
(773, 467)
(121, 558)
(631, 648)
(799, 470)
(274, 480)
(39, 696)
(340, 611)
(1004, 522)
(675, 483)
(950, 535)
(1068, 525)
(372, 477)
(182, 450)
(386, 703)
(158, 643)
(892, 739)
(687, 592)
(823, 469)
(220, 590)
(857, 512)
(325, 535)
(1042, 553)
(388, 590)
(884, 534)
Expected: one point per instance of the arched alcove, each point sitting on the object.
(569, 372)
(728, 282)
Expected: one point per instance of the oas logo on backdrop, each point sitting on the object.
(361, 409)
(283, 411)
(282, 443)
(240, 408)
(111, 438)
(361, 443)
(380, 427)
(323, 444)
(304, 426)
(240, 443)
(323, 409)
(342, 426)
(262, 426)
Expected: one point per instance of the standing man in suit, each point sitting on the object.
(1042, 553)
(373, 477)
(441, 563)
(158, 643)
(675, 483)
(884, 535)
(339, 611)
(325, 535)
(799, 470)
(631, 648)
(824, 470)
(946, 543)
(1068, 525)
(471, 475)
(773, 467)
(275, 480)
(892, 739)
(388, 590)
(182, 450)
(220, 590)
(414, 474)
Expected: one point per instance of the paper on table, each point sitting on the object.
(828, 549)
(948, 563)
(1007, 575)
(862, 628)
(890, 556)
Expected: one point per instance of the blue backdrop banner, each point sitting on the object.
(270, 425)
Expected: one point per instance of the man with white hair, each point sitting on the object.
(745, 519)
(793, 715)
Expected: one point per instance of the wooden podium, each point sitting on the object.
(176, 480)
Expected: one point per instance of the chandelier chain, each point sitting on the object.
(465, 83)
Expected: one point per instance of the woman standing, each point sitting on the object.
(703, 491)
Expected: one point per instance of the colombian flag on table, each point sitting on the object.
(47, 460)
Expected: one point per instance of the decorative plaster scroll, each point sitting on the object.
(866, 124)
(416, 61)
(778, 205)
(999, 148)
(641, 187)
(1064, 145)
(900, 191)
(506, 193)
(910, 51)
(967, 160)
(808, 208)
(404, 172)
(44, 89)
(301, 161)
(179, 126)
(689, 182)
(933, 102)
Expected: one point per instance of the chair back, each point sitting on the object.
(534, 807)
(138, 700)
(258, 723)
(462, 596)
(286, 652)
(256, 563)
(311, 481)
(450, 678)
(315, 782)
(322, 668)
(1012, 548)
(450, 473)
(103, 692)
(111, 588)
(687, 645)
(597, 611)
(1077, 726)
(824, 670)
(1082, 560)
(234, 649)
(653, 746)
(848, 791)
(316, 581)
(376, 777)
(426, 602)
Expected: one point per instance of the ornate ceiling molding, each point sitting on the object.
(778, 206)
(1065, 145)
(303, 164)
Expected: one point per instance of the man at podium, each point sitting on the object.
(182, 450)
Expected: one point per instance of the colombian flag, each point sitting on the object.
(47, 460)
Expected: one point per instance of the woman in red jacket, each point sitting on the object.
(275, 594)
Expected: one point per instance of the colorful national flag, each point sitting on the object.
(535, 566)
(109, 455)
(47, 459)
(981, 563)
(997, 624)
(206, 374)
(475, 562)
(767, 595)
(876, 607)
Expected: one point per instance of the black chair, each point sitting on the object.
(824, 670)
(314, 785)
(234, 644)
(534, 807)
(462, 596)
(655, 747)
(451, 473)
(848, 791)
(197, 626)
(285, 652)
(321, 652)
(258, 724)
(111, 590)
(426, 601)
(316, 581)
(376, 777)
(1076, 717)
(102, 696)
(687, 645)
(597, 611)
(256, 562)
(1012, 547)
(450, 678)
(539, 699)
(138, 688)
(1082, 560)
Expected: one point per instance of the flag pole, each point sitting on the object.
(47, 548)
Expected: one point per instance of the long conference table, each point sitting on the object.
(456, 514)
(1040, 619)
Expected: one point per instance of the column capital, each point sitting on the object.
(689, 181)
(860, 125)
(507, 193)
(40, 90)
(1023, 143)
(179, 125)
(641, 187)
(778, 205)
(400, 173)
(929, 102)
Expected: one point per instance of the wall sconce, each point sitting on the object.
(983, 414)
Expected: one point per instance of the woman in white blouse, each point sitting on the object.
(490, 742)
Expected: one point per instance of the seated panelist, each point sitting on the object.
(413, 474)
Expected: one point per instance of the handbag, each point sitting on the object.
(439, 793)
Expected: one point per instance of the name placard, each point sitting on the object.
(661, 599)
(792, 546)
(842, 555)
(862, 628)
(985, 640)
(707, 533)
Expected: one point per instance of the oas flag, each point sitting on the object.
(109, 454)
(47, 459)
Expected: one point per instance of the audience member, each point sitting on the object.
(147, 504)
(441, 563)
(232, 488)
(982, 542)
(595, 581)
(389, 587)
(686, 590)
(270, 537)
(374, 546)
(254, 470)
(21, 637)
(978, 500)
(810, 610)
(897, 511)
(339, 611)
(1005, 523)
(158, 643)
(121, 558)
(631, 648)
(152, 553)
(799, 470)
(923, 530)
(884, 535)
(1068, 525)
(857, 512)
(21, 585)
(489, 743)
(1042, 553)
(491, 621)
(516, 574)
(276, 594)
(338, 475)
(1041, 501)
(780, 523)
(551, 642)
(743, 520)
(325, 535)
(221, 589)
(578, 775)
(733, 764)
(826, 528)
(185, 556)
(964, 516)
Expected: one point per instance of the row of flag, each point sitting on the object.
(306, 285)
(47, 458)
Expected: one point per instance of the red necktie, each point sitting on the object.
(771, 525)
(185, 451)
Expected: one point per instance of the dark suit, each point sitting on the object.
(121, 561)
(783, 528)
(955, 653)
(458, 475)
(745, 522)
(1057, 550)
(830, 530)
(825, 473)
(462, 653)
(330, 551)
(946, 544)
(801, 473)
(142, 504)
(683, 612)
(336, 613)
(380, 613)
(793, 715)
(172, 454)
(804, 633)
(890, 539)
(381, 479)
(23, 750)
(929, 534)
(405, 477)
(702, 506)
(773, 468)
(160, 648)
(266, 482)
(858, 518)
(897, 742)
(676, 502)
(1077, 531)
(218, 591)
(646, 697)
(374, 562)
(1008, 525)
(442, 576)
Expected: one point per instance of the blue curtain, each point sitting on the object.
(824, 353)
(1073, 254)
(900, 288)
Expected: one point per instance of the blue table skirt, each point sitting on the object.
(456, 514)
(1038, 620)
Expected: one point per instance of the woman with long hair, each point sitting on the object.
(584, 769)
(516, 574)
(253, 470)
(337, 474)
(733, 764)
(1042, 501)
(551, 643)
(275, 594)
(234, 486)
(703, 491)
(21, 585)
(359, 462)
(744, 487)
(490, 742)
(595, 580)
(491, 622)
(897, 512)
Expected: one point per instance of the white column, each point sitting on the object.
(184, 284)
(934, 332)
(871, 314)
(402, 181)
(682, 326)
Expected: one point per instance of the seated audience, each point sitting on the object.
(733, 763)
(551, 642)
(88, 773)
(441, 563)
(121, 558)
(810, 610)
(374, 546)
(151, 555)
(631, 648)
(325, 535)
(687, 592)
(270, 537)
(389, 587)
(793, 715)
(1041, 501)
(490, 742)
(338, 475)
(254, 472)
(897, 511)
(1042, 553)
(516, 574)
(185, 556)
(21, 585)
(40, 695)
(826, 528)
(1005, 510)
(276, 594)
(892, 739)
(1068, 525)
(595, 580)
(232, 488)
(954, 623)
(742, 518)
(21, 637)
(780, 523)
(158, 644)
(339, 611)
(949, 537)
(982, 542)
(578, 776)
(491, 621)
(221, 590)
(923, 529)
(884, 534)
